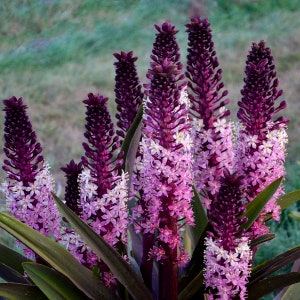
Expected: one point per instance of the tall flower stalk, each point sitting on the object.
(128, 91)
(103, 193)
(261, 138)
(211, 131)
(227, 257)
(29, 184)
(165, 166)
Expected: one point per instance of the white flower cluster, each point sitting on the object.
(262, 162)
(34, 204)
(108, 215)
(213, 152)
(227, 271)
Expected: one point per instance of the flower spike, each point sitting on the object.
(227, 256)
(211, 131)
(261, 139)
(165, 165)
(29, 185)
(103, 193)
(128, 91)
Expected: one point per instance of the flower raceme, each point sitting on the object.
(261, 140)
(227, 256)
(103, 193)
(211, 132)
(128, 91)
(165, 166)
(29, 184)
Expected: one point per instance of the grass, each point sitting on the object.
(53, 53)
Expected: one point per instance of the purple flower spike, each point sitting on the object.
(165, 168)
(127, 91)
(103, 193)
(21, 147)
(227, 257)
(165, 45)
(211, 131)
(259, 94)
(102, 143)
(165, 58)
(72, 193)
(261, 139)
(29, 185)
(224, 212)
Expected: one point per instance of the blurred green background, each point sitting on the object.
(53, 53)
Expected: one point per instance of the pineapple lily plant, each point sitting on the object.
(172, 204)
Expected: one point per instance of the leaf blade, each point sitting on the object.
(52, 283)
(11, 275)
(292, 292)
(272, 284)
(200, 216)
(268, 267)
(58, 257)
(193, 287)
(288, 199)
(255, 207)
(18, 291)
(12, 258)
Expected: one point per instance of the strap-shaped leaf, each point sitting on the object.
(288, 199)
(268, 267)
(131, 132)
(131, 153)
(58, 257)
(192, 288)
(295, 215)
(196, 264)
(11, 275)
(52, 283)
(255, 207)
(200, 217)
(18, 291)
(267, 286)
(12, 258)
(120, 268)
(292, 292)
(262, 239)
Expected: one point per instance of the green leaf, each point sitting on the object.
(262, 239)
(11, 275)
(132, 132)
(292, 292)
(120, 268)
(287, 200)
(267, 286)
(295, 215)
(255, 207)
(52, 283)
(12, 258)
(268, 267)
(58, 257)
(201, 219)
(196, 264)
(192, 288)
(131, 154)
(16, 291)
